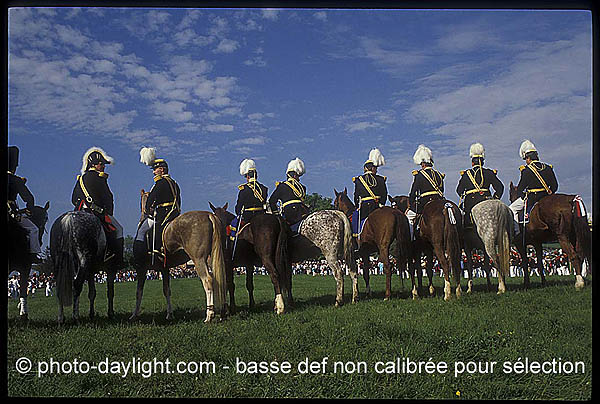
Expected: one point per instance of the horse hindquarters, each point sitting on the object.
(452, 248)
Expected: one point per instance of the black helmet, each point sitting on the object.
(13, 158)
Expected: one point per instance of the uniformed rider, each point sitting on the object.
(537, 180)
(17, 187)
(370, 189)
(92, 193)
(428, 183)
(474, 183)
(162, 205)
(251, 199)
(289, 195)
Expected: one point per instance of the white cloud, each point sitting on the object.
(227, 46)
(219, 128)
(171, 111)
(320, 15)
(249, 141)
(270, 13)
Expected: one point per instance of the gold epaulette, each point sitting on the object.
(241, 186)
(549, 165)
(521, 168)
(353, 179)
(462, 172)
(443, 175)
(277, 183)
(415, 172)
(102, 174)
(495, 171)
(384, 177)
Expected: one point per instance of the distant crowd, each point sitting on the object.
(555, 263)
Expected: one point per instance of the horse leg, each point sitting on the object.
(338, 274)
(539, 253)
(524, 263)
(279, 303)
(412, 269)
(110, 292)
(353, 270)
(23, 286)
(429, 269)
(469, 255)
(384, 256)
(166, 275)
(141, 279)
(574, 258)
(91, 293)
(445, 265)
(77, 288)
(207, 282)
(366, 273)
(230, 287)
(250, 285)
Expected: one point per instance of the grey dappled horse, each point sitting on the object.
(327, 232)
(494, 223)
(77, 247)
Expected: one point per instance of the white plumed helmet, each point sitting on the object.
(246, 166)
(95, 154)
(296, 166)
(423, 154)
(376, 158)
(477, 150)
(147, 155)
(526, 147)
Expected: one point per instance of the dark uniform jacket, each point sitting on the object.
(252, 196)
(291, 193)
(474, 187)
(17, 187)
(96, 184)
(165, 199)
(369, 201)
(428, 184)
(532, 186)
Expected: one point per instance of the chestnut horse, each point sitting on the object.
(194, 235)
(382, 227)
(262, 241)
(440, 231)
(556, 217)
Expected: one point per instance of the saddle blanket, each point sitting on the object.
(356, 230)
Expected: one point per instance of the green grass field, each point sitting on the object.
(355, 351)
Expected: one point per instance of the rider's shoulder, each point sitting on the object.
(241, 186)
(462, 172)
(521, 168)
(18, 178)
(415, 172)
(354, 179)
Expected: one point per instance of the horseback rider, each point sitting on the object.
(17, 187)
(474, 184)
(251, 198)
(290, 194)
(92, 193)
(370, 189)
(428, 184)
(537, 180)
(162, 205)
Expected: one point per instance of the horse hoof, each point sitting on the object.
(24, 317)
(338, 303)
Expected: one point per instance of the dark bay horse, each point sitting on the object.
(556, 217)
(382, 227)
(440, 230)
(263, 241)
(327, 232)
(77, 248)
(19, 258)
(194, 235)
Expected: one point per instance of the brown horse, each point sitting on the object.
(194, 235)
(556, 217)
(440, 231)
(262, 241)
(382, 227)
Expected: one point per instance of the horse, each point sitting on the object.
(77, 248)
(555, 217)
(382, 227)
(19, 257)
(262, 241)
(327, 232)
(440, 233)
(492, 233)
(194, 235)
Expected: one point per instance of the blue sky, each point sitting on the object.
(210, 87)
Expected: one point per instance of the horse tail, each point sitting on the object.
(282, 258)
(63, 260)
(403, 242)
(583, 234)
(218, 263)
(452, 241)
(503, 240)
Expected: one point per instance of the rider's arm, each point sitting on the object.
(25, 194)
(496, 184)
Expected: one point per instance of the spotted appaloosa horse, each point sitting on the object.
(327, 232)
(194, 235)
(263, 241)
(556, 217)
(494, 233)
(19, 258)
(382, 227)
(440, 231)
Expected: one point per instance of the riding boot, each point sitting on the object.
(139, 254)
(119, 262)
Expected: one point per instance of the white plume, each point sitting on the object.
(147, 155)
(526, 147)
(90, 151)
(376, 157)
(246, 166)
(297, 166)
(477, 150)
(423, 154)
